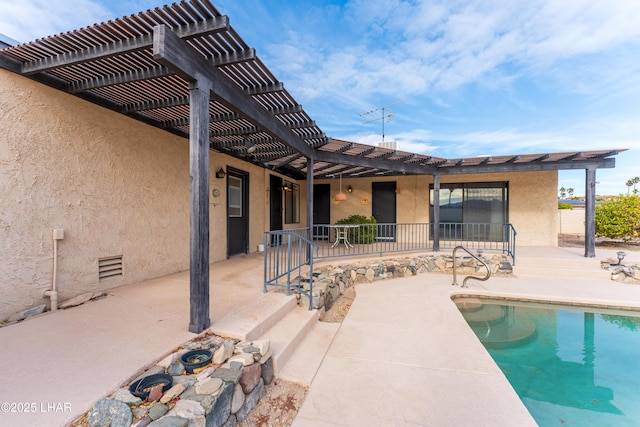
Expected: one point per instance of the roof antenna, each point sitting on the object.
(384, 114)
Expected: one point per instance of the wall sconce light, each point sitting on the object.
(285, 188)
(620, 255)
(221, 173)
(350, 189)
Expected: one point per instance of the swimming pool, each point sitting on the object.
(573, 366)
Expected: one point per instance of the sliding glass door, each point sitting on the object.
(472, 211)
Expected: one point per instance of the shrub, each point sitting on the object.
(363, 235)
(619, 218)
(564, 206)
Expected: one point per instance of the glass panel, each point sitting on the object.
(235, 197)
(484, 206)
(480, 206)
(291, 203)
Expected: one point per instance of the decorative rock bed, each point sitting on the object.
(221, 393)
(622, 273)
(329, 281)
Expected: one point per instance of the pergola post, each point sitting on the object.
(310, 197)
(590, 213)
(199, 94)
(436, 213)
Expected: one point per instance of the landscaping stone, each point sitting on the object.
(221, 407)
(231, 421)
(245, 358)
(238, 399)
(267, 371)
(158, 410)
(176, 369)
(228, 375)
(172, 393)
(139, 412)
(186, 381)
(21, 315)
(80, 299)
(201, 376)
(223, 353)
(209, 386)
(251, 375)
(170, 421)
(186, 409)
(142, 422)
(155, 393)
(109, 413)
(251, 401)
(124, 395)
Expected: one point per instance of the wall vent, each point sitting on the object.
(110, 267)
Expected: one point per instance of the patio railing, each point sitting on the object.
(337, 240)
(287, 252)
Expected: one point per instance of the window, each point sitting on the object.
(291, 203)
(473, 203)
(235, 197)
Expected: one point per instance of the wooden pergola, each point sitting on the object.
(184, 69)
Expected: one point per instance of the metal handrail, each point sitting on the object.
(284, 252)
(464, 282)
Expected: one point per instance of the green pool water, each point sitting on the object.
(571, 366)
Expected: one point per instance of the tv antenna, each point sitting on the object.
(385, 114)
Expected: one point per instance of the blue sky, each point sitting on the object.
(466, 78)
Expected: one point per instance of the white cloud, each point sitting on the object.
(421, 46)
(27, 20)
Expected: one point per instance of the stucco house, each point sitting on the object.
(160, 142)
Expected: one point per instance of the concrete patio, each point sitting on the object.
(402, 356)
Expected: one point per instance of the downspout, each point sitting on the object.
(58, 234)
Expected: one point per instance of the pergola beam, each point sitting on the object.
(122, 46)
(177, 55)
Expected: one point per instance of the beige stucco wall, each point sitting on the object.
(119, 187)
(116, 187)
(533, 201)
(571, 221)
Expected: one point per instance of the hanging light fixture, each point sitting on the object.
(340, 197)
(250, 146)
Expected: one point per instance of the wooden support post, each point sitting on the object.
(590, 214)
(435, 221)
(310, 198)
(199, 92)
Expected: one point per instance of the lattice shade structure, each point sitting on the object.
(112, 64)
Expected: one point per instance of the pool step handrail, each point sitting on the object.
(464, 281)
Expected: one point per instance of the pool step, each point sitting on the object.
(497, 327)
(517, 328)
(488, 313)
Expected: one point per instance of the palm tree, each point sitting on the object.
(570, 191)
(635, 181)
(563, 192)
(629, 184)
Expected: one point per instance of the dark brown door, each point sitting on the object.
(321, 210)
(383, 208)
(275, 205)
(237, 212)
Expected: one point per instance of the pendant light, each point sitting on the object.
(340, 197)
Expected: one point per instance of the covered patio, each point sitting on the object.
(183, 68)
